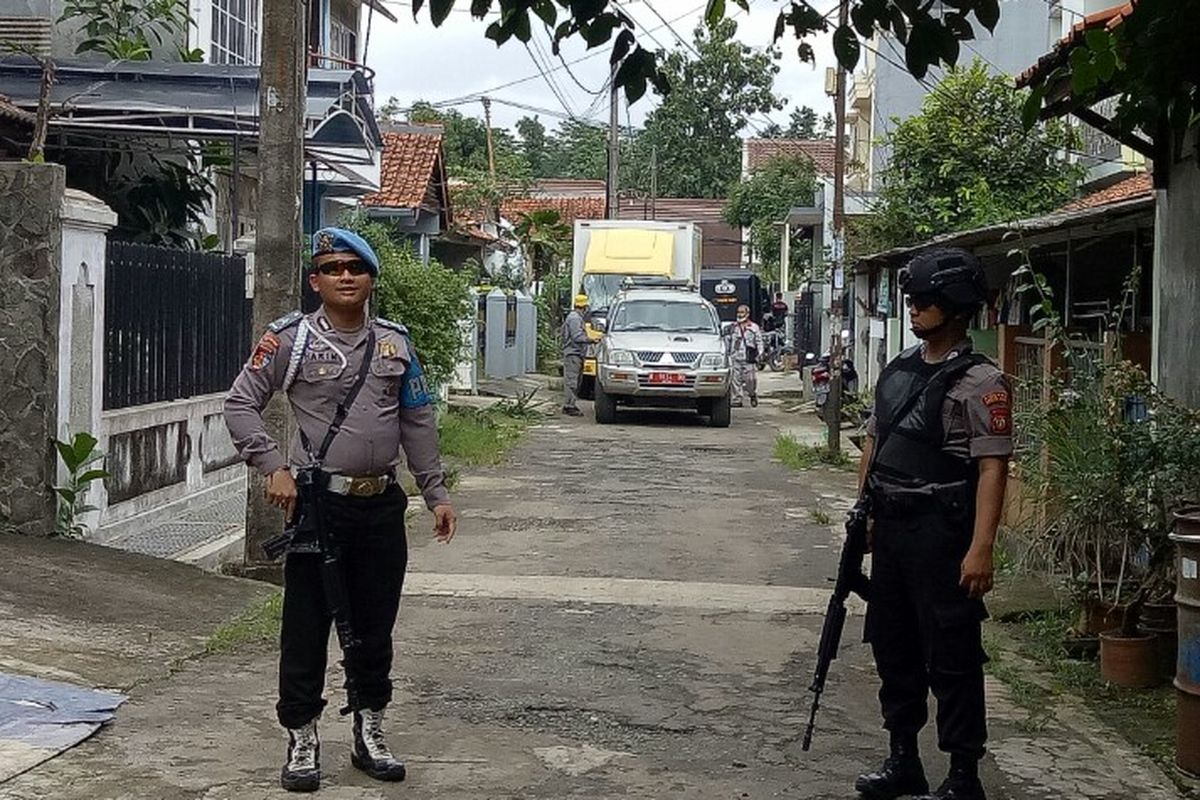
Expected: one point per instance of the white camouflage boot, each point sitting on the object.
(302, 772)
(371, 753)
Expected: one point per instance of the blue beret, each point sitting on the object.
(328, 241)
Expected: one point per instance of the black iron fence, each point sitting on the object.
(177, 323)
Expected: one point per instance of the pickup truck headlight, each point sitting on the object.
(620, 358)
(713, 361)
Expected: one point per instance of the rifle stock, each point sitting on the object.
(850, 578)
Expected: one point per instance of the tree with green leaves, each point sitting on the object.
(577, 149)
(719, 85)
(131, 30)
(759, 203)
(967, 160)
(930, 33)
(534, 144)
(802, 124)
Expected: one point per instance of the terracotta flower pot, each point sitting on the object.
(1130, 661)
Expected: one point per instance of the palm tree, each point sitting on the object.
(544, 239)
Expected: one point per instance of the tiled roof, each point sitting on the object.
(819, 151)
(1140, 185)
(568, 187)
(569, 208)
(9, 111)
(412, 160)
(1109, 18)
(675, 209)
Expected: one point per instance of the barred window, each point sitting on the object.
(235, 32)
(342, 42)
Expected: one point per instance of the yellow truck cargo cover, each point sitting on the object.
(630, 251)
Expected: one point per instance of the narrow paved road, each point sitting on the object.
(628, 611)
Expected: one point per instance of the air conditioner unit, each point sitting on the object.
(830, 81)
(26, 34)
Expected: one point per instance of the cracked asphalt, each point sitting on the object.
(519, 675)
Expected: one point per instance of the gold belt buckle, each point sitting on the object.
(366, 487)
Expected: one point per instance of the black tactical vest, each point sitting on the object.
(910, 446)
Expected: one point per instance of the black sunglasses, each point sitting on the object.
(355, 268)
(920, 301)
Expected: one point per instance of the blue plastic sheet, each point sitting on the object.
(40, 719)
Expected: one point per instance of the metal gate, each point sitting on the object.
(176, 323)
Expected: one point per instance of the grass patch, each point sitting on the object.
(475, 437)
(819, 516)
(257, 624)
(800, 456)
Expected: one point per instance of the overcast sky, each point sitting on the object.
(414, 60)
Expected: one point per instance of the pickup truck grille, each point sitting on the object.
(685, 358)
(649, 356)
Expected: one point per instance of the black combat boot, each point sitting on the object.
(900, 775)
(302, 772)
(962, 783)
(371, 753)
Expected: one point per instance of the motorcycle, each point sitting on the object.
(774, 349)
(822, 385)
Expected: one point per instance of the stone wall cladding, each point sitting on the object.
(30, 259)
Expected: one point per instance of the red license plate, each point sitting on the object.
(668, 377)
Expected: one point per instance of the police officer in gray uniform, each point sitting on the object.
(316, 360)
(943, 430)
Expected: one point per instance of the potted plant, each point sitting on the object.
(1109, 460)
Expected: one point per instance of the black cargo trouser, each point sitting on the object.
(925, 632)
(374, 554)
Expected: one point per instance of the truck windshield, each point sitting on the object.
(662, 315)
(601, 288)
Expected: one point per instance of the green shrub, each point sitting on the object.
(430, 299)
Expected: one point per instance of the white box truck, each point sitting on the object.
(607, 252)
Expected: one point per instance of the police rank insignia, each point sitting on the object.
(325, 242)
(264, 352)
(387, 349)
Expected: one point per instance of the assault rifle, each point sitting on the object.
(850, 578)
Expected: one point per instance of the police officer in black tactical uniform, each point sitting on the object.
(943, 429)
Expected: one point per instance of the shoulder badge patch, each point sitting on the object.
(285, 322)
(992, 399)
(395, 326)
(264, 351)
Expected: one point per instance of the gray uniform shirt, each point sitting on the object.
(392, 412)
(574, 337)
(976, 413)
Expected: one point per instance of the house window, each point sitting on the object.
(343, 43)
(234, 32)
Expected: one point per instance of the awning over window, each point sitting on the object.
(199, 102)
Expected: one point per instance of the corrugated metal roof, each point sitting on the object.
(992, 234)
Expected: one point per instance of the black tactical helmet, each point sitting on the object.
(950, 276)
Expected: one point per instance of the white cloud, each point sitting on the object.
(416, 61)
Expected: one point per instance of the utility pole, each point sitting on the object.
(833, 406)
(282, 86)
(614, 129)
(487, 119)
